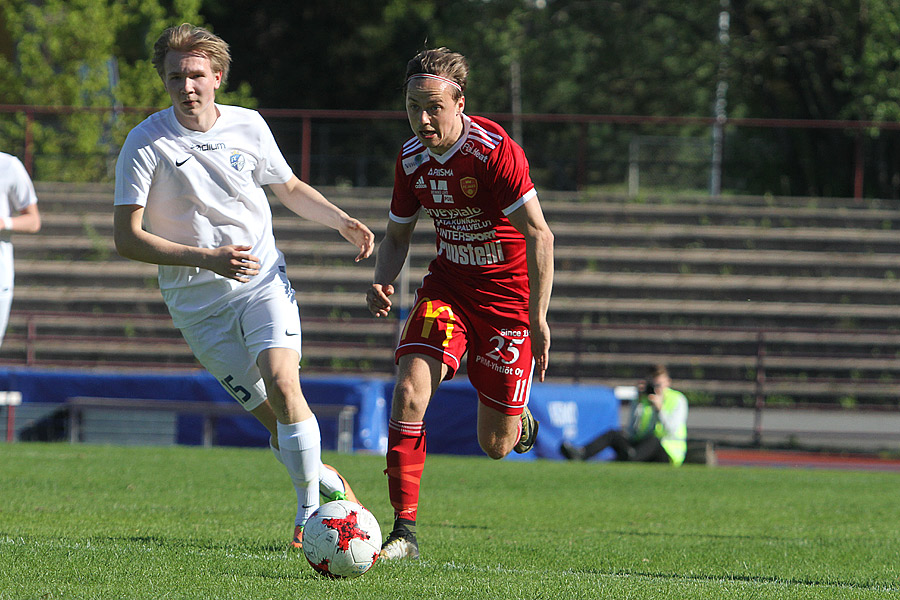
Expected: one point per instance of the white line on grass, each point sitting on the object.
(747, 582)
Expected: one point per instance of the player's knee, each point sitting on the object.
(285, 398)
(281, 388)
(408, 401)
(496, 453)
(495, 448)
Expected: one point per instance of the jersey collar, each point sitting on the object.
(182, 130)
(443, 158)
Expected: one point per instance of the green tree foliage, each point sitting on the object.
(323, 54)
(572, 56)
(806, 59)
(83, 53)
(816, 60)
(576, 56)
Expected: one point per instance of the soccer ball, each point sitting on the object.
(341, 539)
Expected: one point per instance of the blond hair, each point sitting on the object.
(443, 63)
(187, 38)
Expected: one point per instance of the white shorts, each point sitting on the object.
(6, 298)
(228, 342)
(6, 285)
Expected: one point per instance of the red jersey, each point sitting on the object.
(468, 191)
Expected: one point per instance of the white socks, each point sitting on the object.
(300, 451)
(329, 481)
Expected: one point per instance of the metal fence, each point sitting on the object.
(566, 152)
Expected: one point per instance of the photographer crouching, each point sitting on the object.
(657, 427)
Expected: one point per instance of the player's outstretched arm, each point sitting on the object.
(388, 263)
(27, 221)
(132, 241)
(529, 221)
(306, 201)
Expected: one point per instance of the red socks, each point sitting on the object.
(405, 462)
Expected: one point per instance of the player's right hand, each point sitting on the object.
(234, 262)
(377, 299)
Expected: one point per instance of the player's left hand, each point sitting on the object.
(540, 347)
(355, 232)
(233, 261)
(378, 299)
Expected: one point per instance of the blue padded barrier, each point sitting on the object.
(56, 386)
(572, 412)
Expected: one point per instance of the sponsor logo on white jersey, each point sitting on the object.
(237, 160)
(439, 192)
(208, 147)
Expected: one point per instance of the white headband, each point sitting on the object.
(438, 77)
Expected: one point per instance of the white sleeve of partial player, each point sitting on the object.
(274, 167)
(22, 194)
(134, 172)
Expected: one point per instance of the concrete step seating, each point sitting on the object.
(80, 278)
(600, 234)
(582, 259)
(710, 275)
(129, 340)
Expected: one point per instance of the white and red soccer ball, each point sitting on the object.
(341, 539)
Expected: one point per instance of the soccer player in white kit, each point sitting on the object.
(189, 198)
(18, 212)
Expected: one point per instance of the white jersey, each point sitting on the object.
(16, 193)
(204, 189)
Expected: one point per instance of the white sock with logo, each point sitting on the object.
(300, 450)
(329, 481)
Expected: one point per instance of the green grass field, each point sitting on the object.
(81, 521)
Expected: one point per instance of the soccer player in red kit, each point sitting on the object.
(486, 292)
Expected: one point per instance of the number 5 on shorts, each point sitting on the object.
(240, 393)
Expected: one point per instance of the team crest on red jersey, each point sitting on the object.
(469, 186)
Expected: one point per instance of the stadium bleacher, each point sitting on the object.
(792, 294)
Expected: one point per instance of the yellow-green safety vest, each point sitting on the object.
(674, 442)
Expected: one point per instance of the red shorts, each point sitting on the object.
(500, 364)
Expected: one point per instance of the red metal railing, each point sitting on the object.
(307, 118)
